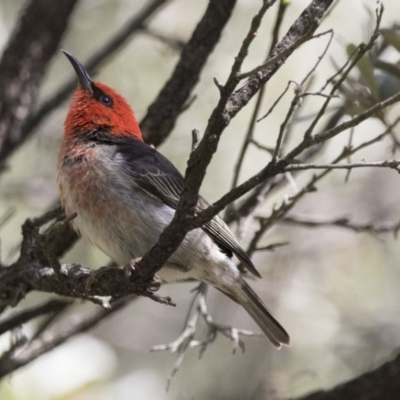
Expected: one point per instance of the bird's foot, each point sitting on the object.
(146, 287)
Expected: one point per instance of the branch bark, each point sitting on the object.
(24, 63)
(229, 105)
(51, 306)
(27, 275)
(98, 58)
(64, 331)
(164, 111)
(382, 383)
(25, 127)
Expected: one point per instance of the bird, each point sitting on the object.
(125, 193)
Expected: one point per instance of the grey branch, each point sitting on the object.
(393, 164)
(186, 339)
(342, 222)
(61, 333)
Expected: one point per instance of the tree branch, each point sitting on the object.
(199, 159)
(61, 333)
(24, 63)
(342, 223)
(95, 61)
(393, 164)
(73, 281)
(382, 383)
(50, 306)
(164, 111)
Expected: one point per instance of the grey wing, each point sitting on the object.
(158, 176)
(222, 235)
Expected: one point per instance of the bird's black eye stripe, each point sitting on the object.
(102, 97)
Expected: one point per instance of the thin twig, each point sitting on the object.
(163, 113)
(362, 50)
(342, 222)
(275, 103)
(31, 313)
(271, 247)
(292, 109)
(320, 58)
(174, 43)
(289, 50)
(186, 339)
(349, 146)
(393, 164)
(70, 327)
(7, 216)
(250, 130)
(175, 232)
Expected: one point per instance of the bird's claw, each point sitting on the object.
(146, 287)
(154, 284)
(131, 267)
(160, 299)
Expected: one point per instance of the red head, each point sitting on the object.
(95, 105)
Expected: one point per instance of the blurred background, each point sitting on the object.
(334, 290)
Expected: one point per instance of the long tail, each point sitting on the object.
(259, 312)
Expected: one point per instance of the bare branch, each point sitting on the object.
(112, 283)
(271, 247)
(272, 170)
(64, 331)
(278, 212)
(24, 63)
(164, 111)
(381, 383)
(31, 313)
(95, 61)
(341, 223)
(7, 216)
(284, 54)
(174, 43)
(300, 92)
(250, 131)
(276, 102)
(187, 341)
(323, 136)
(173, 235)
(393, 164)
(43, 240)
(359, 53)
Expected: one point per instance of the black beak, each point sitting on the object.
(83, 76)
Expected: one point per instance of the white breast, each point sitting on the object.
(124, 221)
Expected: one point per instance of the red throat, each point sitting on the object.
(87, 114)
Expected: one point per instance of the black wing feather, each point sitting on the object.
(159, 177)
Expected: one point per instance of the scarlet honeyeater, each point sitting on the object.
(125, 193)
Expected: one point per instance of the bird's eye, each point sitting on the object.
(106, 100)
